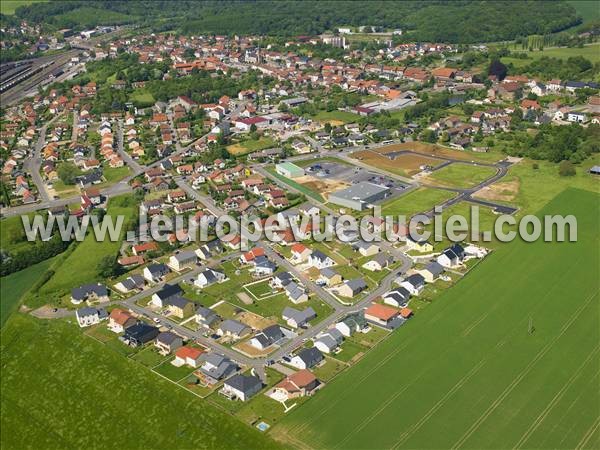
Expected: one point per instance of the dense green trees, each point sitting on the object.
(433, 21)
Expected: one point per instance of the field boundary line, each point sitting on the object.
(522, 375)
(534, 426)
(588, 435)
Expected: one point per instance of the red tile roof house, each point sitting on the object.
(298, 384)
(248, 257)
(381, 314)
(187, 356)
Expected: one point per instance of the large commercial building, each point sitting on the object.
(360, 195)
(289, 170)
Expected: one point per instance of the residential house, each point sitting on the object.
(300, 253)
(139, 334)
(296, 318)
(90, 293)
(119, 320)
(379, 262)
(398, 297)
(351, 288)
(209, 277)
(233, 329)
(216, 367)
(155, 273)
(160, 297)
(133, 283)
(179, 306)
(267, 337)
(187, 356)
(414, 284)
(87, 316)
(329, 341)
(206, 317)
(421, 246)
(366, 248)
(452, 256)
(319, 260)
(241, 387)
(381, 314)
(298, 384)
(181, 260)
(295, 293)
(352, 323)
(432, 271)
(306, 358)
(330, 277)
(166, 342)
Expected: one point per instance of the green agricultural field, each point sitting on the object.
(508, 358)
(417, 201)
(13, 286)
(81, 266)
(12, 234)
(9, 7)
(587, 9)
(335, 117)
(461, 175)
(56, 380)
(590, 52)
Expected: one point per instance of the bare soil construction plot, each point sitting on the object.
(439, 151)
(406, 164)
(323, 186)
(505, 191)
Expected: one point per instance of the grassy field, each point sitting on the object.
(12, 234)
(55, 380)
(245, 147)
(141, 97)
(461, 175)
(81, 266)
(468, 372)
(8, 7)
(417, 201)
(532, 188)
(335, 117)
(13, 286)
(587, 9)
(590, 52)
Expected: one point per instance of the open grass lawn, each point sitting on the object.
(329, 369)
(417, 201)
(150, 357)
(172, 372)
(588, 10)
(12, 234)
(536, 187)
(260, 289)
(81, 266)
(8, 7)
(461, 175)
(249, 146)
(13, 286)
(335, 117)
(56, 380)
(305, 190)
(590, 52)
(113, 175)
(142, 98)
(350, 351)
(468, 372)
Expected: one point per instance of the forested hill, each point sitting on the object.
(434, 21)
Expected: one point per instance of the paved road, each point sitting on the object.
(132, 163)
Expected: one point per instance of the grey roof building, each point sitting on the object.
(297, 318)
(360, 195)
(216, 367)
